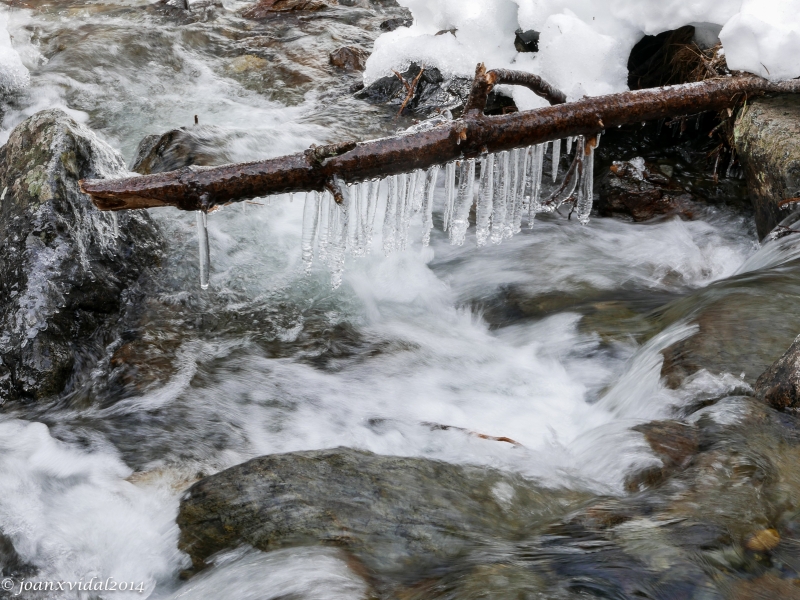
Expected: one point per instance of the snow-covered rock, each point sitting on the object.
(584, 44)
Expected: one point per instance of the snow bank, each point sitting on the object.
(13, 74)
(585, 44)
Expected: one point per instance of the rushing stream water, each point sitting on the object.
(551, 339)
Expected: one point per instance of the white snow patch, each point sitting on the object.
(585, 44)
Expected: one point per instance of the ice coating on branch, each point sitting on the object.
(584, 45)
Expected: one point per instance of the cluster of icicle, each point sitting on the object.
(508, 191)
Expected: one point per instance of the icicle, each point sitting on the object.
(569, 145)
(404, 215)
(324, 225)
(427, 203)
(449, 193)
(466, 195)
(390, 220)
(483, 213)
(115, 223)
(536, 184)
(583, 204)
(520, 202)
(372, 206)
(339, 231)
(502, 175)
(354, 208)
(419, 191)
(597, 141)
(511, 195)
(310, 222)
(556, 158)
(202, 238)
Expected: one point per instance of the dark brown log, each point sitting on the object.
(474, 134)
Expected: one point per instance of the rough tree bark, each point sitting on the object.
(474, 134)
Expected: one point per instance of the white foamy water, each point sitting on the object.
(405, 343)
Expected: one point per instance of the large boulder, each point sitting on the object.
(397, 516)
(68, 271)
(767, 137)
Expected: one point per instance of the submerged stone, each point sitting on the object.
(349, 58)
(68, 271)
(400, 517)
(201, 145)
(767, 137)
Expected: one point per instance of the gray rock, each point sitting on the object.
(779, 386)
(65, 276)
(201, 145)
(767, 137)
(397, 516)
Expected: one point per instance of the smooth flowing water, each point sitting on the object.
(548, 339)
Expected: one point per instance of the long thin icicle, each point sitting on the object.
(556, 158)
(466, 195)
(338, 245)
(583, 206)
(372, 206)
(483, 213)
(202, 239)
(390, 220)
(324, 226)
(511, 197)
(449, 193)
(427, 203)
(519, 201)
(536, 183)
(310, 223)
(500, 196)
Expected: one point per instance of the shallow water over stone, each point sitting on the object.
(552, 339)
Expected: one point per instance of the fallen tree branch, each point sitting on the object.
(196, 188)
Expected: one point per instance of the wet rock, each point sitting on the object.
(779, 386)
(641, 191)
(349, 58)
(767, 139)
(396, 23)
(673, 442)
(266, 8)
(66, 275)
(201, 145)
(736, 330)
(187, 11)
(432, 92)
(766, 587)
(397, 516)
(526, 41)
